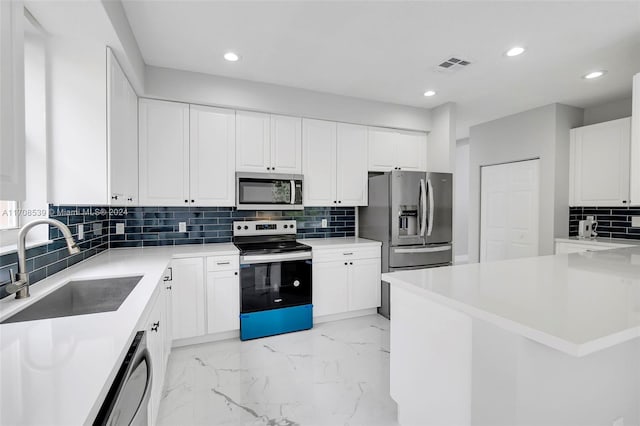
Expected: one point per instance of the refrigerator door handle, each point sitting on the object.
(423, 208)
(422, 249)
(431, 208)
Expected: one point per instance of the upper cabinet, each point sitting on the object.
(122, 136)
(635, 143)
(268, 143)
(391, 149)
(599, 167)
(186, 154)
(12, 138)
(335, 168)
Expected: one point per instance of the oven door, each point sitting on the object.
(256, 191)
(275, 281)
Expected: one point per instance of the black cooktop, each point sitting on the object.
(268, 247)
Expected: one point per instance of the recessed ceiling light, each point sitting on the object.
(515, 51)
(594, 74)
(429, 93)
(231, 57)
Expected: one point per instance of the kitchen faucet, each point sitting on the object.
(20, 283)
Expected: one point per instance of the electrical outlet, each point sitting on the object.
(324, 223)
(119, 228)
(618, 422)
(81, 232)
(182, 226)
(97, 229)
(635, 221)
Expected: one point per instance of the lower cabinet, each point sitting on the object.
(158, 336)
(188, 298)
(223, 301)
(345, 281)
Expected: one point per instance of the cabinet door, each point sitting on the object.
(253, 150)
(381, 154)
(351, 165)
(600, 164)
(319, 151)
(188, 298)
(364, 284)
(168, 312)
(122, 136)
(223, 301)
(164, 153)
(286, 144)
(410, 150)
(330, 288)
(155, 345)
(635, 143)
(212, 154)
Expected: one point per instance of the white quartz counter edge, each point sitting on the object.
(340, 243)
(607, 242)
(72, 390)
(573, 349)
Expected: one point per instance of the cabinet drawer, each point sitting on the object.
(223, 263)
(331, 255)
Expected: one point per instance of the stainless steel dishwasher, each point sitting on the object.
(127, 401)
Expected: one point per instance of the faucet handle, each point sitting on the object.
(15, 286)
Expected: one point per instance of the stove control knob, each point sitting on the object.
(286, 226)
(246, 227)
(296, 283)
(239, 227)
(291, 226)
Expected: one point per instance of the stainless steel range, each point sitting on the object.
(275, 278)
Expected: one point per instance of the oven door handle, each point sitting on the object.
(141, 412)
(278, 257)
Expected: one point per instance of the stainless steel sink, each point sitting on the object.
(79, 297)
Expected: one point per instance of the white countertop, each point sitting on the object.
(578, 303)
(339, 242)
(609, 242)
(57, 371)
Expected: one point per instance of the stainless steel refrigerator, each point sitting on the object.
(410, 212)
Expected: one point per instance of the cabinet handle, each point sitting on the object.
(168, 287)
(334, 202)
(235, 273)
(350, 263)
(130, 199)
(170, 277)
(193, 201)
(114, 197)
(348, 254)
(624, 201)
(186, 201)
(339, 202)
(223, 263)
(345, 263)
(155, 326)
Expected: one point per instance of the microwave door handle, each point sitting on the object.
(423, 208)
(431, 208)
(293, 191)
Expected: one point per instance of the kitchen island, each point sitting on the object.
(550, 340)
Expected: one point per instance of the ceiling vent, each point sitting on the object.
(453, 64)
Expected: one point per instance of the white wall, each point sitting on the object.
(461, 200)
(198, 88)
(538, 133)
(441, 142)
(613, 110)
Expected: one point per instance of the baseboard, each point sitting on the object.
(344, 315)
(207, 338)
(461, 259)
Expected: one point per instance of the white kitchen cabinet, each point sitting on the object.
(599, 164)
(212, 155)
(12, 136)
(223, 301)
(167, 288)
(188, 298)
(156, 340)
(345, 280)
(122, 136)
(268, 143)
(391, 149)
(335, 168)
(635, 143)
(164, 153)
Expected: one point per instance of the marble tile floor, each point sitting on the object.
(334, 374)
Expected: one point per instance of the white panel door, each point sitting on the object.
(410, 151)
(600, 164)
(188, 296)
(223, 301)
(164, 153)
(364, 284)
(212, 153)
(330, 288)
(635, 143)
(319, 152)
(382, 156)
(122, 136)
(509, 212)
(351, 165)
(286, 144)
(253, 149)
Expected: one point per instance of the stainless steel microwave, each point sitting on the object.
(266, 191)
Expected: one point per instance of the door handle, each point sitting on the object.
(293, 191)
(423, 208)
(431, 209)
(422, 250)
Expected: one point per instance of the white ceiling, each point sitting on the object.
(387, 50)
